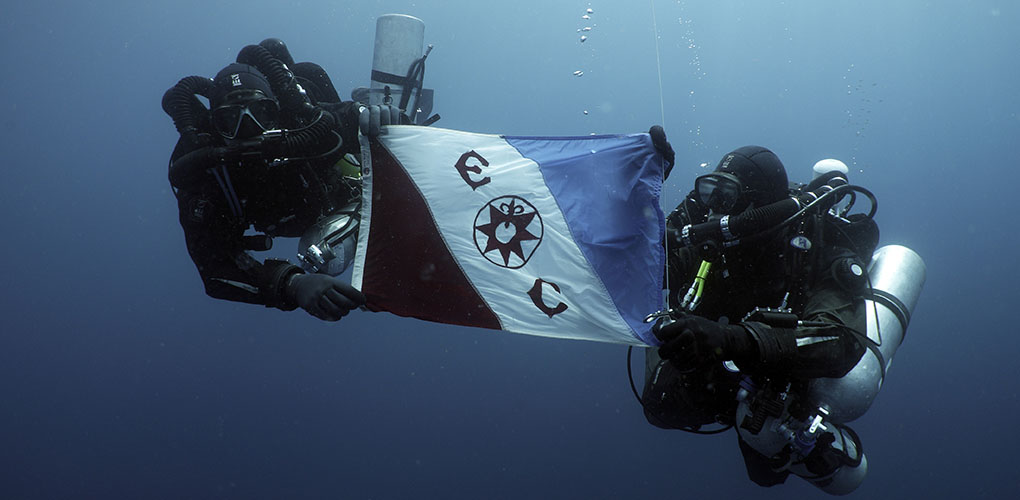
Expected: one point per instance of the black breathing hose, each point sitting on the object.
(184, 170)
(763, 220)
(737, 226)
(292, 97)
(291, 143)
(181, 104)
(297, 140)
(279, 50)
(319, 123)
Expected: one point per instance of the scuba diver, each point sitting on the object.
(275, 151)
(770, 325)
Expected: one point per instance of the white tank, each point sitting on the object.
(328, 246)
(827, 165)
(399, 40)
(897, 274)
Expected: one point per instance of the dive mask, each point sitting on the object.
(719, 191)
(263, 111)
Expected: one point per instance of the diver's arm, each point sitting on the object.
(812, 351)
(833, 350)
(352, 117)
(345, 117)
(215, 242)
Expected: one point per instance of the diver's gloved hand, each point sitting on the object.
(690, 341)
(323, 296)
(372, 118)
(824, 459)
(663, 147)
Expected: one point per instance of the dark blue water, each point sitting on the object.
(119, 378)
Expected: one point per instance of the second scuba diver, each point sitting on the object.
(271, 153)
(766, 293)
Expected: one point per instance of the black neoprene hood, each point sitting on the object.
(760, 171)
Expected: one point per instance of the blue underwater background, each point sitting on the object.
(119, 378)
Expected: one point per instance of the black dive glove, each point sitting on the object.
(690, 341)
(824, 459)
(323, 296)
(663, 147)
(372, 118)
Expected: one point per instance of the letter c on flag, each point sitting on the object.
(536, 296)
(465, 169)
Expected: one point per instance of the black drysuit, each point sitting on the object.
(760, 274)
(282, 200)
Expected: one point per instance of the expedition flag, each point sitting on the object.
(550, 236)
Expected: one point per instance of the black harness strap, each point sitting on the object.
(383, 77)
(894, 304)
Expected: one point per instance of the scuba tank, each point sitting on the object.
(398, 69)
(328, 246)
(797, 426)
(897, 274)
(827, 165)
(804, 427)
(800, 426)
(398, 74)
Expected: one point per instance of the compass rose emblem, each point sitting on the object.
(507, 231)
